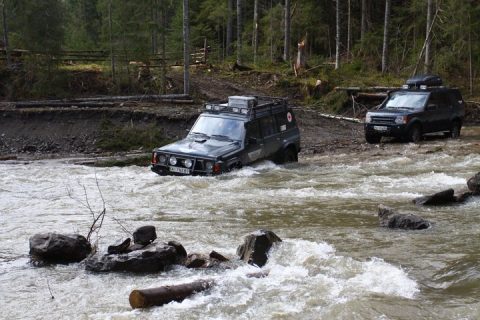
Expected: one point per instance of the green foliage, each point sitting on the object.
(127, 138)
(334, 102)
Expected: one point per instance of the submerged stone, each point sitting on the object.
(391, 219)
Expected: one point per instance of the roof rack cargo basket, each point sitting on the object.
(429, 80)
(248, 105)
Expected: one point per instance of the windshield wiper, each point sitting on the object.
(221, 136)
(201, 134)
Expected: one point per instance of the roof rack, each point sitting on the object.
(248, 105)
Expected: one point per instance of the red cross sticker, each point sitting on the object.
(289, 117)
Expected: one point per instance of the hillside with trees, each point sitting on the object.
(342, 42)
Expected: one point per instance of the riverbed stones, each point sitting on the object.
(256, 246)
(474, 184)
(144, 235)
(199, 260)
(390, 219)
(153, 258)
(59, 248)
(439, 198)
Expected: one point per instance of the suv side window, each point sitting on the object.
(253, 130)
(285, 121)
(432, 102)
(268, 126)
(443, 101)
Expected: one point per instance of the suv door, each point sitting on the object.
(431, 119)
(254, 143)
(270, 136)
(445, 110)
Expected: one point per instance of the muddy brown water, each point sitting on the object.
(335, 262)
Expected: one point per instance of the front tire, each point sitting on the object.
(372, 138)
(414, 133)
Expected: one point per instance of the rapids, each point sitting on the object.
(335, 262)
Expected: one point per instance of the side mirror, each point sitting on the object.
(431, 107)
(252, 140)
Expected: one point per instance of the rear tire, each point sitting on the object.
(455, 130)
(289, 156)
(372, 138)
(415, 133)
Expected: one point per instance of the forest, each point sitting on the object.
(349, 39)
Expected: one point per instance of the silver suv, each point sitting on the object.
(231, 134)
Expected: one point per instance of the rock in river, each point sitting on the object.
(255, 247)
(152, 258)
(59, 248)
(391, 219)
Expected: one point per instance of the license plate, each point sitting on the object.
(179, 170)
(380, 128)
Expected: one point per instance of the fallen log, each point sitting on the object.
(102, 99)
(145, 298)
(331, 116)
(159, 296)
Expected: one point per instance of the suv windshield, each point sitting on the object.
(410, 101)
(219, 127)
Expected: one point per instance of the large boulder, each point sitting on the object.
(474, 184)
(256, 246)
(59, 248)
(439, 198)
(144, 235)
(391, 219)
(149, 259)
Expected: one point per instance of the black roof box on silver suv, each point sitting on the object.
(424, 79)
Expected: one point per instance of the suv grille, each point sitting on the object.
(383, 120)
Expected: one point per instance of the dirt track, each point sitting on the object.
(48, 132)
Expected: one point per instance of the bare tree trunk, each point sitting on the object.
(154, 26)
(112, 58)
(228, 45)
(301, 57)
(286, 50)
(386, 37)
(5, 35)
(164, 54)
(428, 38)
(337, 40)
(349, 29)
(363, 23)
(255, 31)
(186, 49)
(425, 43)
(239, 31)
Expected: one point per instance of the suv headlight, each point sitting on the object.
(188, 163)
(401, 120)
(209, 165)
(368, 118)
(173, 160)
(162, 158)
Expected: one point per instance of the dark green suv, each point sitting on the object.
(231, 134)
(422, 106)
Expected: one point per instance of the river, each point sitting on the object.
(335, 262)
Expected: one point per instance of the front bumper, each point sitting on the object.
(387, 130)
